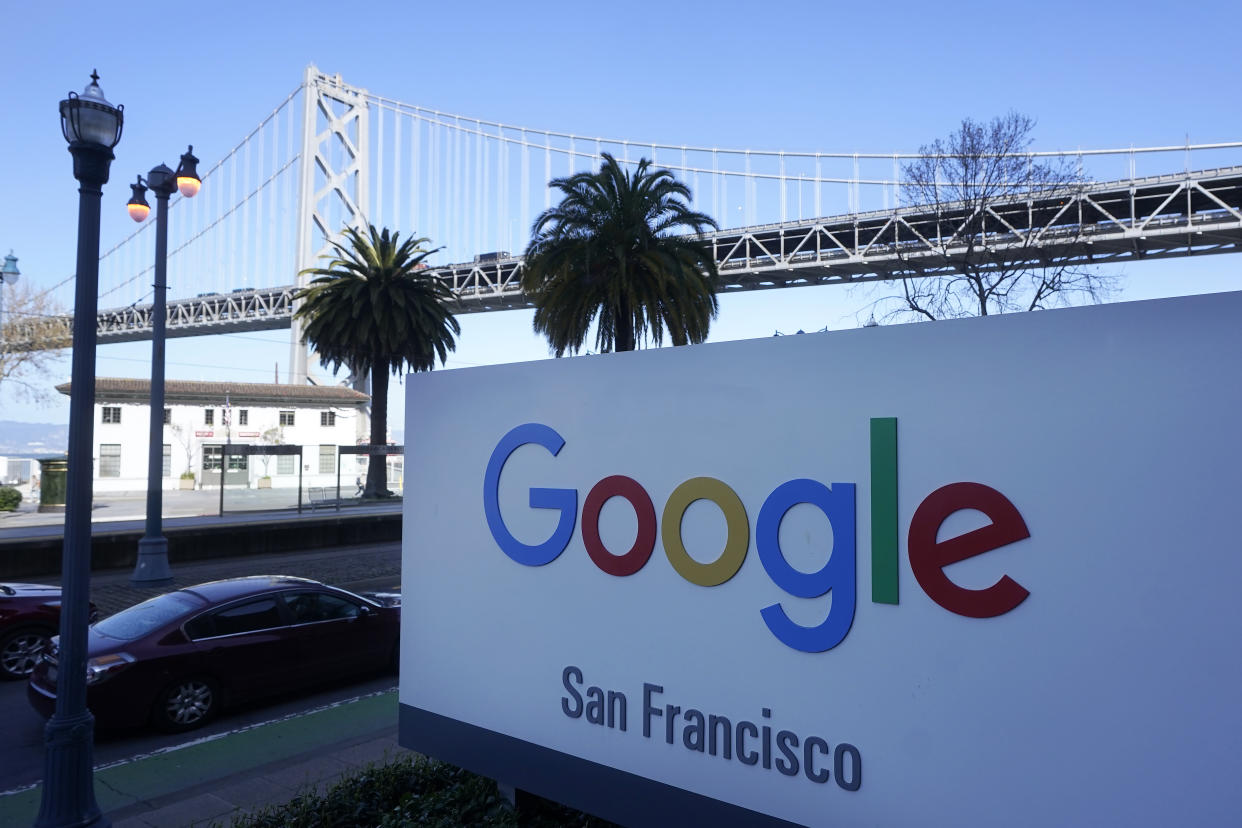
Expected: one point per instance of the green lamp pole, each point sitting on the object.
(152, 567)
(92, 126)
(9, 274)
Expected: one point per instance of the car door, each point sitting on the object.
(248, 647)
(337, 636)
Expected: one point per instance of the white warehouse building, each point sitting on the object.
(200, 418)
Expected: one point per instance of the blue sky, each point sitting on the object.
(796, 76)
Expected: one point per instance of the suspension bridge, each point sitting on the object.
(331, 155)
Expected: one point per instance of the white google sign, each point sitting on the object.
(964, 573)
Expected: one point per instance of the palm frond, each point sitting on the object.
(374, 304)
(609, 255)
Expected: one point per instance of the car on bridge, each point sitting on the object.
(176, 660)
(29, 617)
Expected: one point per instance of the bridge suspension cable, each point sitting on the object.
(470, 177)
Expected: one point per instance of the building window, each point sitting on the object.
(167, 460)
(327, 418)
(243, 416)
(286, 418)
(167, 416)
(112, 414)
(327, 459)
(285, 464)
(211, 458)
(209, 416)
(109, 459)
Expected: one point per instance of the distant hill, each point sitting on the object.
(33, 438)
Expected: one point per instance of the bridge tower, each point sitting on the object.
(333, 184)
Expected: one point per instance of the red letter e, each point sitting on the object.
(928, 558)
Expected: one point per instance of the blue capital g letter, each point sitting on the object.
(566, 500)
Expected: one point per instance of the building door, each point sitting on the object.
(238, 471)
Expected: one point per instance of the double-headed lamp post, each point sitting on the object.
(152, 566)
(92, 126)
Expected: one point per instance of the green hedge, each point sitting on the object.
(10, 499)
(414, 791)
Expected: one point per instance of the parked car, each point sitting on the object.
(29, 617)
(177, 660)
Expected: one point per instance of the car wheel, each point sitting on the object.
(186, 704)
(20, 651)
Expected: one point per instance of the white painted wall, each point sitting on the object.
(188, 432)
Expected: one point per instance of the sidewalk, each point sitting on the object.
(111, 508)
(209, 781)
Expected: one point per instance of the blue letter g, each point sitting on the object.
(566, 500)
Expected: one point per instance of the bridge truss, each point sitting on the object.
(1196, 213)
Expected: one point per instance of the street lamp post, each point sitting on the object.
(9, 275)
(92, 126)
(152, 566)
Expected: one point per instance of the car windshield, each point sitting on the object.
(151, 614)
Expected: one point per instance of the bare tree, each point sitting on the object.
(274, 436)
(185, 439)
(979, 192)
(32, 333)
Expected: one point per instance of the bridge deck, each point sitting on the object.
(1191, 213)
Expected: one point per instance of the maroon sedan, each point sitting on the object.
(176, 660)
(29, 617)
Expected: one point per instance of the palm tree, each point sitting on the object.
(609, 254)
(376, 307)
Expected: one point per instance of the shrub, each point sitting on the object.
(413, 791)
(187, 475)
(10, 499)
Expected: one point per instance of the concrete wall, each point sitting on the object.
(41, 556)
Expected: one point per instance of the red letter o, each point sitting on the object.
(603, 491)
